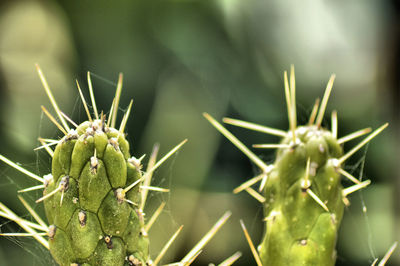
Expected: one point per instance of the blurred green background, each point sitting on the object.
(226, 57)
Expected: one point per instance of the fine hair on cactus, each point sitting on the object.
(95, 196)
(301, 191)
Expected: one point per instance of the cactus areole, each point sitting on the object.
(298, 230)
(91, 222)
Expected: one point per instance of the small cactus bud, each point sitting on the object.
(52, 231)
(48, 179)
(108, 241)
(82, 218)
(93, 165)
(135, 162)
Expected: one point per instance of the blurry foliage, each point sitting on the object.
(179, 59)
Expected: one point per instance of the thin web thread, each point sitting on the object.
(105, 80)
(369, 236)
(40, 255)
(364, 208)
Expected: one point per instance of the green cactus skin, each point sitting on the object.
(93, 225)
(298, 231)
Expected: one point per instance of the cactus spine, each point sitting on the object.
(302, 194)
(95, 195)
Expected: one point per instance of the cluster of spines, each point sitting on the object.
(316, 118)
(142, 185)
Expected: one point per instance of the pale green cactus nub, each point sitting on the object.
(301, 191)
(95, 196)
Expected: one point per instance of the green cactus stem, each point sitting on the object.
(301, 191)
(95, 196)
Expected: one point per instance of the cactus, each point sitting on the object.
(95, 195)
(301, 192)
